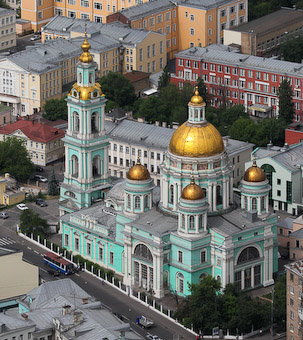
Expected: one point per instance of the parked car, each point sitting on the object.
(38, 168)
(144, 322)
(35, 37)
(40, 178)
(41, 202)
(4, 215)
(22, 206)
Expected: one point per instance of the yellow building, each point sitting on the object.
(41, 11)
(18, 277)
(9, 193)
(7, 28)
(185, 23)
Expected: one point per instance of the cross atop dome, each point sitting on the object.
(85, 57)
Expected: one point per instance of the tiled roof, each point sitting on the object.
(33, 130)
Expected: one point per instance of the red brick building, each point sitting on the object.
(234, 78)
(294, 134)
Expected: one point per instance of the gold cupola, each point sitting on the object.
(196, 99)
(192, 192)
(86, 57)
(138, 172)
(196, 137)
(254, 173)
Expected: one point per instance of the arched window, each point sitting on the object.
(245, 203)
(254, 204)
(219, 279)
(76, 120)
(202, 276)
(180, 283)
(142, 251)
(201, 222)
(80, 77)
(146, 201)
(204, 192)
(262, 203)
(166, 279)
(91, 78)
(70, 194)
(137, 202)
(171, 194)
(74, 166)
(191, 222)
(248, 254)
(128, 202)
(94, 122)
(96, 166)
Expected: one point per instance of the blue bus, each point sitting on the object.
(58, 263)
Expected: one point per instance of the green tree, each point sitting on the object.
(3, 4)
(292, 50)
(55, 109)
(164, 79)
(31, 222)
(286, 105)
(14, 159)
(203, 91)
(280, 303)
(52, 185)
(118, 89)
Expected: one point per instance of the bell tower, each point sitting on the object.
(86, 144)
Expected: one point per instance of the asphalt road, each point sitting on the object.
(109, 297)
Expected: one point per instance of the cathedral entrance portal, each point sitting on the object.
(143, 267)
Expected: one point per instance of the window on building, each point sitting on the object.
(111, 258)
(180, 256)
(137, 202)
(203, 256)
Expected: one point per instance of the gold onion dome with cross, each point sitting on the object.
(85, 57)
(192, 191)
(200, 139)
(138, 172)
(254, 173)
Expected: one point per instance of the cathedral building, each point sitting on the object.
(163, 239)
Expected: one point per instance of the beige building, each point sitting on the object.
(43, 142)
(114, 47)
(294, 298)
(132, 139)
(18, 277)
(7, 28)
(263, 36)
(13, 4)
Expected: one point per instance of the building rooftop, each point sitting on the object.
(272, 22)
(6, 11)
(286, 223)
(33, 130)
(5, 251)
(228, 56)
(296, 267)
(297, 234)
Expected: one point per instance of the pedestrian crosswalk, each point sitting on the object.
(6, 241)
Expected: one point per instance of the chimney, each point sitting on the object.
(157, 123)
(66, 309)
(175, 125)
(269, 145)
(77, 317)
(164, 124)
(25, 316)
(225, 141)
(84, 301)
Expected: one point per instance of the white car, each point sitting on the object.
(22, 206)
(152, 337)
(40, 178)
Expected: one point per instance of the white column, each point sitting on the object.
(162, 189)
(259, 205)
(227, 192)
(105, 162)
(132, 202)
(266, 203)
(215, 197)
(186, 223)
(242, 279)
(175, 196)
(179, 191)
(210, 196)
(165, 203)
(224, 273)
(140, 274)
(252, 276)
(89, 165)
(197, 223)
(224, 194)
(231, 191)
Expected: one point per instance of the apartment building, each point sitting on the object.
(185, 23)
(131, 139)
(41, 11)
(264, 35)
(7, 28)
(115, 47)
(294, 300)
(13, 4)
(43, 142)
(235, 78)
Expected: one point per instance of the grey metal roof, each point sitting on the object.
(228, 57)
(272, 22)
(6, 11)
(13, 323)
(289, 158)
(96, 31)
(5, 251)
(286, 223)
(297, 234)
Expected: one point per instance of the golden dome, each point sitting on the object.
(138, 172)
(196, 99)
(192, 192)
(86, 91)
(86, 57)
(196, 140)
(254, 174)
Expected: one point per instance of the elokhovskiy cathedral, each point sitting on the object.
(163, 238)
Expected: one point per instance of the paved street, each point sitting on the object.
(110, 297)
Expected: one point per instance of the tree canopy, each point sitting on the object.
(31, 222)
(118, 89)
(292, 50)
(286, 105)
(3, 4)
(52, 185)
(14, 159)
(164, 79)
(55, 109)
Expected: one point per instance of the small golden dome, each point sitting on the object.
(196, 99)
(138, 172)
(196, 140)
(192, 192)
(254, 174)
(86, 91)
(86, 57)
